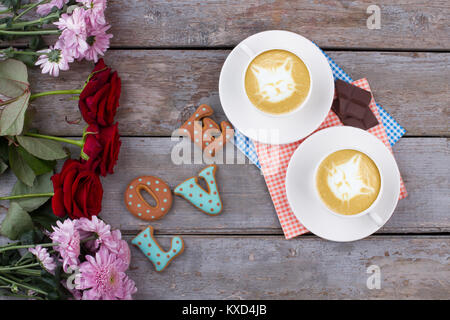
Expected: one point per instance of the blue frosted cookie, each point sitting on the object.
(207, 201)
(149, 246)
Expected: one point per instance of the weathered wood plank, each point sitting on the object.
(248, 208)
(162, 23)
(305, 268)
(161, 88)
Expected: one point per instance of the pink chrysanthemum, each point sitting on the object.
(95, 11)
(52, 60)
(45, 8)
(47, 262)
(68, 238)
(101, 231)
(123, 250)
(101, 278)
(74, 36)
(98, 41)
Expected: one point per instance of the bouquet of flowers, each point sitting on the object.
(80, 25)
(54, 214)
(76, 190)
(79, 259)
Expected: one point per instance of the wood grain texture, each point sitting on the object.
(161, 23)
(161, 88)
(269, 267)
(248, 208)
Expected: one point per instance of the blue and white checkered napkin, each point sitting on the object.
(394, 130)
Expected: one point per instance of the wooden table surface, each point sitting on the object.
(169, 55)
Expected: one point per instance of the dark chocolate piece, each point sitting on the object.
(352, 106)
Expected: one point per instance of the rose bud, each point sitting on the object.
(102, 148)
(78, 191)
(99, 100)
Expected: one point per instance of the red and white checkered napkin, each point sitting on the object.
(274, 161)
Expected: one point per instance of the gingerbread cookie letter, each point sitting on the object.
(207, 201)
(148, 245)
(206, 135)
(157, 188)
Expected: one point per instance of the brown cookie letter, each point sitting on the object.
(157, 188)
(205, 132)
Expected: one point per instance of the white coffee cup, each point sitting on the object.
(252, 55)
(376, 218)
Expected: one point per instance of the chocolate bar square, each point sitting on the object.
(352, 106)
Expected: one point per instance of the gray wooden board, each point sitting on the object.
(248, 208)
(161, 23)
(161, 88)
(269, 267)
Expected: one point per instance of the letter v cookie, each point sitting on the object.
(207, 201)
(147, 243)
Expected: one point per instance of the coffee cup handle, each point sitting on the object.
(376, 218)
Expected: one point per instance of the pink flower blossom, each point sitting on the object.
(44, 258)
(74, 34)
(52, 60)
(98, 41)
(123, 250)
(101, 231)
(45, 8)
(95, 11)
(68, 238)
(102, 279)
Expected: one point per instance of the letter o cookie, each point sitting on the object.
(157, 188)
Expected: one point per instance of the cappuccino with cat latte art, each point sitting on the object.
(348, 182)
(277, 82)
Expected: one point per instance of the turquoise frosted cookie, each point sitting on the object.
(147, 243)
(207, 201)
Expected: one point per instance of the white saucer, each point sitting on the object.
(301, 191)
(248, 119)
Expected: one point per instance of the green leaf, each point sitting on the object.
(14, 70)
(42, 148)
(20, 167)
(29, 60)
(37, 165)
(4, 150)
(32, 236)
(11, 89)
(3, 167)
(44, 216)
(17, 221)
(42, 184)
(13, 116)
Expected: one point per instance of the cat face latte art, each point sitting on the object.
(277, 82)
(348, 182)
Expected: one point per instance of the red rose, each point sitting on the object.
(102, 146)
(78, 191)
(99, 99)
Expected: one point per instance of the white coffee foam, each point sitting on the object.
(275, 84)
(346, 180)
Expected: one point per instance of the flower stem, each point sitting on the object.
(31, 265)
(28, 53)
(30, 33)
(26, 246)
(78, 143)
(10, 9)
(30, 7)
(20, 25)
(23, 285)
(30, 195)
(48, 93)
